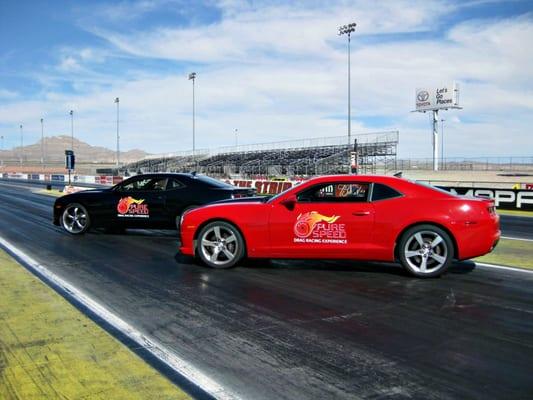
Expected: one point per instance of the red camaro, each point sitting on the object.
(346, 217)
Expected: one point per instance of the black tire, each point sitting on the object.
(75, 219)
(225, 249)
(178, 217)
(426, 251)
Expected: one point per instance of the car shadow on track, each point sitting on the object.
(135, 232)
(458, 267)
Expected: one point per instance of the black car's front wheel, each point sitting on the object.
(426, 251)
(75, 219)
(220, 245)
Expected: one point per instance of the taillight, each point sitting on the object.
(492, 210)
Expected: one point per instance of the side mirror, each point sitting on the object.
(289, 202)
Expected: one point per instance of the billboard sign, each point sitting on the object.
(439, 98)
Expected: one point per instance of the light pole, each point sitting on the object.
(117, 102)
(236, 142)
(21, 145)
(442, 142)
(42, 142)
(2, 148)
(348, 30)
(71, 130)
(192, 77)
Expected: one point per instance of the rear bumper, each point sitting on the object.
(478, 240)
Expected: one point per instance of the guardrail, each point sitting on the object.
(511, 163)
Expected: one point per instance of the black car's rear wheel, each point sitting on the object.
(426, 251)
(220, 245)
(75, 219)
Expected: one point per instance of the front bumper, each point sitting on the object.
(187, 242)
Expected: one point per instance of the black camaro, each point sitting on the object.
(154, 201)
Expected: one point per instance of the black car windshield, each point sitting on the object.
(213, 182)
(270, 199)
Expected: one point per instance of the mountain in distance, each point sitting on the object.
(55, 146)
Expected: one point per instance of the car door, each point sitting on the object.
(329, 220)
(179, 197)
(140, 202)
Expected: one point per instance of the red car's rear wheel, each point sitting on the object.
(426, 251)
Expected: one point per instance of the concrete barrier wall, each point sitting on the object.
(509, 199)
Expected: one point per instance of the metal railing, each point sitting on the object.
(511, 163)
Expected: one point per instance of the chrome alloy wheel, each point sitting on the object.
(426, 251)
(75, 219)
(219, 245)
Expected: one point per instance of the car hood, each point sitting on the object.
(83, 193)
(255, 199)
(92, 191)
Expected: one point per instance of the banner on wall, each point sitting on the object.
(506, 199)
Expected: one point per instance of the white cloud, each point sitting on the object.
(8, 94)
(69, 64)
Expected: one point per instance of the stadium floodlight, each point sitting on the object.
(348, 30)
(117, 102)
(192, 77)
(442, 142)
(21, 144)
(72, 129)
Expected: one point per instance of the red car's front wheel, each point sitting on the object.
(220, 245)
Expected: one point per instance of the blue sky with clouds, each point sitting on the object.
(274, 70)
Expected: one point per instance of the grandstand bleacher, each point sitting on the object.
(376, 153)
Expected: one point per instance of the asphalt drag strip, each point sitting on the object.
(298, 329)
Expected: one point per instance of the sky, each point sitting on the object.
(272, 70)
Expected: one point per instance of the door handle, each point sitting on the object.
(361, 213)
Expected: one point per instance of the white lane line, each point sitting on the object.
(496, 266)
(514, 238)
(172, 360)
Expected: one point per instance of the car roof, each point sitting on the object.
(162, 175)
(403, 185)
(357, 178)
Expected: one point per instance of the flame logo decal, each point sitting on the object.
(124, 204)
(305, 223)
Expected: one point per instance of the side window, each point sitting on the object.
(135, 185)
(147, 184)
(383, 192)
(158, 184)
(336, 192)
(174, 184)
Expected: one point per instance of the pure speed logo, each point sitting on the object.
(313, 227)
(132, 208)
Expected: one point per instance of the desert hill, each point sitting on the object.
(55, 147)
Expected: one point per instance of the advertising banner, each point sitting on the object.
(57, 178)
(443, 97)
(506, 199)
